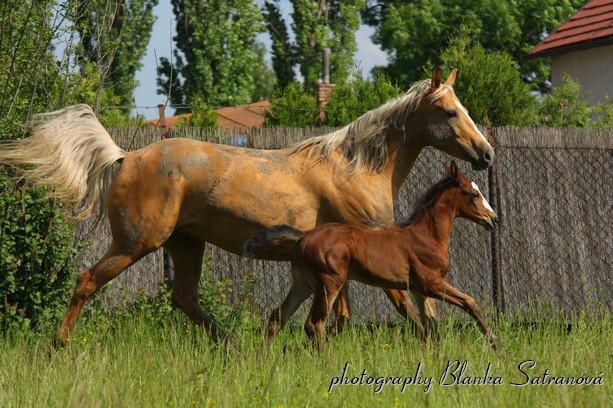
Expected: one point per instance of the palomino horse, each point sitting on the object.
(413, 256)
(181, 193)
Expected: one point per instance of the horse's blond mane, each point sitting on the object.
(363, 143)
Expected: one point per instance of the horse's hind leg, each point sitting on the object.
(92, 279)
(186, 255)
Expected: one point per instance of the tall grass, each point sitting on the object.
(141, 359)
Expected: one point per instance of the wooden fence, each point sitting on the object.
(552, 189)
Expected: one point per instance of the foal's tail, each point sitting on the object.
(70, 153)
(273, 243)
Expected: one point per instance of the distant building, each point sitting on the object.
(240, 116)
(583, 48)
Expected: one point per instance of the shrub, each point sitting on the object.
(292, 107)
(356, 96)
(565, 108)
(489, 84)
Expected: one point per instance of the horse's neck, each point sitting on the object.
(404, 149)
(438, 218)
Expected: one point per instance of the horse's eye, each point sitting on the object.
(451, 113)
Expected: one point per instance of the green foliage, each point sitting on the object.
(114, 36)
(316, 25)
(565, 108)
(292, 107)
(202, 116)
(36, 264)
(489, 84)
(356, 96)
(326, 24)
(416, 32)
(266, 79)
(282, 52)
(215, 57)
(37, 247)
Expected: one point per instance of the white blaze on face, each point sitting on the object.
(470, 120)
(485, 203)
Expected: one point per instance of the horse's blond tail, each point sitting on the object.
(70, 153)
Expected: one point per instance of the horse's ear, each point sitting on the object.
(451, 78)
(452, 169)
(436, 78)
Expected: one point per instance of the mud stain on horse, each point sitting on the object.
(198, 162)
(265, 168)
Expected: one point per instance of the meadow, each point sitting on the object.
(153, 357)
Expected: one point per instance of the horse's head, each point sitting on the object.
(448, 126)
(470, 202)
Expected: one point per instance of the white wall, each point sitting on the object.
(592, 68)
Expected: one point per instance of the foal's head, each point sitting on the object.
(448, 126)
(470, 202)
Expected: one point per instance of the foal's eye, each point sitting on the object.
(451, 113)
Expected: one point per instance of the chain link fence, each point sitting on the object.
(552, 190)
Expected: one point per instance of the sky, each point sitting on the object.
(367, 56)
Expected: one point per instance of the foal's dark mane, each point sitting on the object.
(426, 198)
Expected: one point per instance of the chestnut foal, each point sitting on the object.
(414, 254)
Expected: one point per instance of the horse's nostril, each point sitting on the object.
(488, 156)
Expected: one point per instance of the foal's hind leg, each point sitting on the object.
(341, 308)
(325, 292)
(402, 302)
(427, 313)
(298, 293)
(186, 255)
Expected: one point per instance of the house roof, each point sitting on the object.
(591, 26)
(248, 115)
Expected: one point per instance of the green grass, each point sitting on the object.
(134, 360)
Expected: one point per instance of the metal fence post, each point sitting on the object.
(494, 198)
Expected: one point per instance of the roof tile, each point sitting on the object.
(593, 22)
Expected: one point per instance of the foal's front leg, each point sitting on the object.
(441, 289)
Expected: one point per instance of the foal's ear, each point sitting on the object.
(451, 78)
(452, 169)
(436, 78)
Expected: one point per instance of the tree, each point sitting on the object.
(489, 83)
(317, 25)
(282, 52)
(114, 36)
(415, 33)
(326, 24)
(215, 55)
(265, 77)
